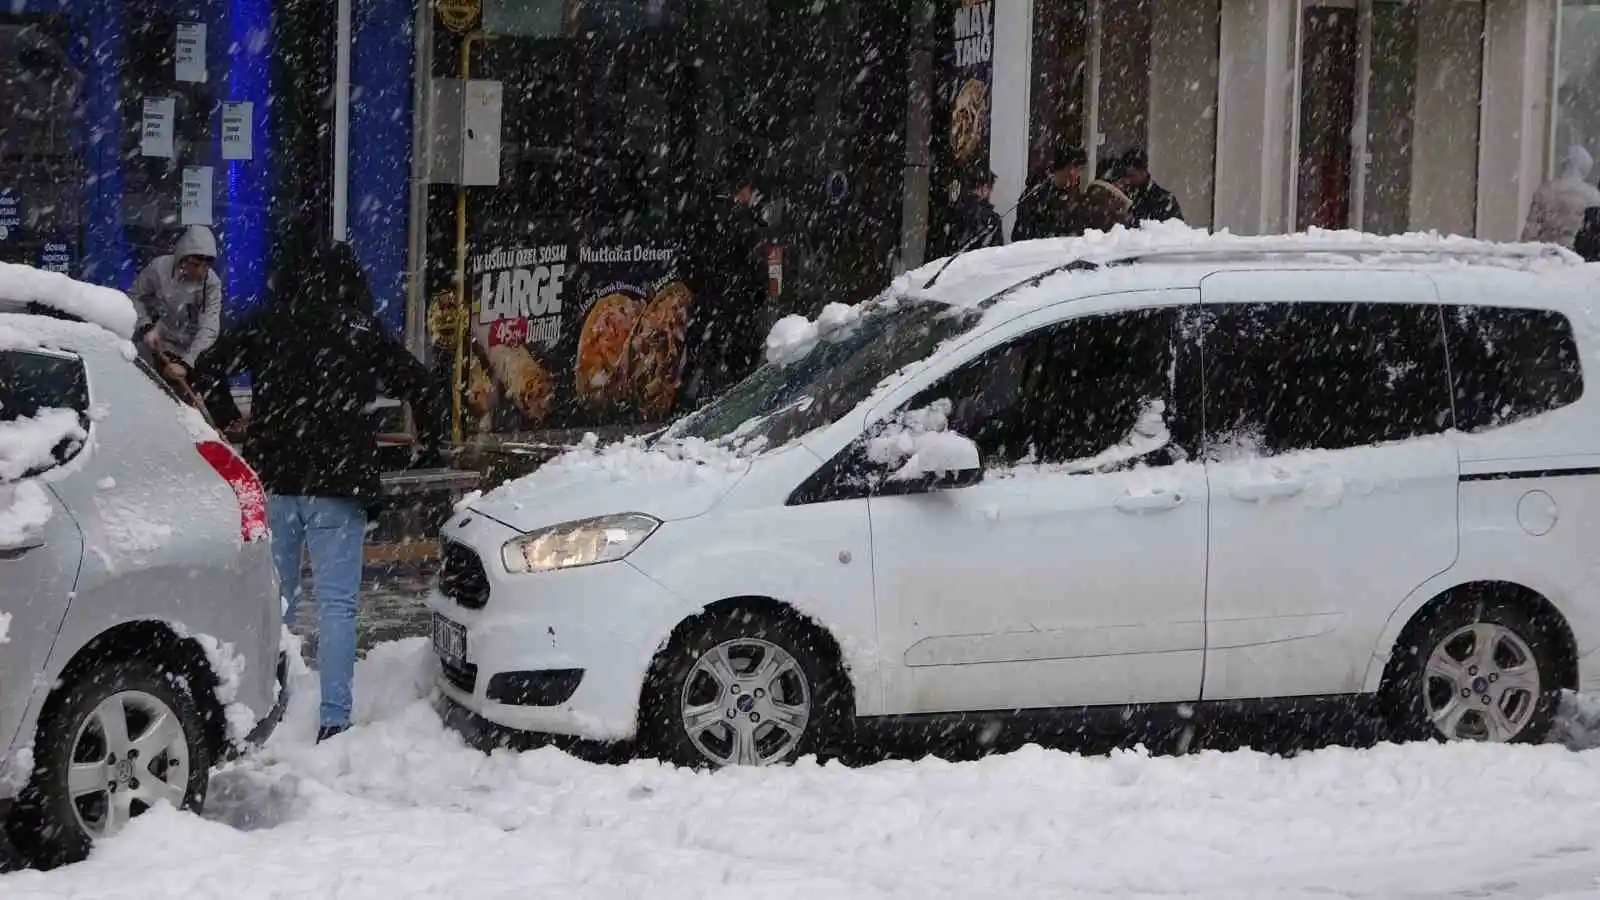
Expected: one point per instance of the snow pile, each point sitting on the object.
(399, 808)
(16, 767)
(690, 460)
(27, 443)
(990, 267)
(791, 338)
(107, 308)
(229, 667)
(25, 516)
(129, 531)
(918, 443)
(5, 627)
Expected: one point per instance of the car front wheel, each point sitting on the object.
(742, 689)
(115, 743)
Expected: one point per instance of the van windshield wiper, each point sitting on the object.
(999, 223)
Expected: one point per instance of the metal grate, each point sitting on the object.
(463, 677)
(462, 578)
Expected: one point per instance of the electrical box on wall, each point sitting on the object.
(464, 123)
(480, 133)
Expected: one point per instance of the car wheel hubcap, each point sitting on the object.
(128, 753)
(746, 702)
(1481, 683)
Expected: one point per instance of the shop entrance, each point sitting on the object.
(1388, 115)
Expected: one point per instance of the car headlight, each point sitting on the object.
(586, 542)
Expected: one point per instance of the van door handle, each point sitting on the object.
(1160, 501)
(1267, 490)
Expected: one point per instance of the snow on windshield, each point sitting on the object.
(21, 286)
(848, 353)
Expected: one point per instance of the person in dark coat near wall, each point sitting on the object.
(1053, 207)
(1151, 201)
(1587, 244)
(727, 270)
(979, 224)
(317, 358)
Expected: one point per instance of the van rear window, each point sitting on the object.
(1510, 364)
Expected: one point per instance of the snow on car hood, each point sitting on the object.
(671, 480)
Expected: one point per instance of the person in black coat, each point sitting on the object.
(1053, 207)
(1151, 201)
(726, 267)
(317, 357)
(979, 225)
(1587, 244)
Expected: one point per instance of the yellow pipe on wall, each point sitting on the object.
(463, 306)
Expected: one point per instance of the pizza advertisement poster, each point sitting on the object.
(634, 312)
(569, 335)
(969, 79)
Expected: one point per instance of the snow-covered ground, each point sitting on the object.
(399, 808)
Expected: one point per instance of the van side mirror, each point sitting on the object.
(942, 461)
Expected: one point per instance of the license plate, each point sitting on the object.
(449, 640)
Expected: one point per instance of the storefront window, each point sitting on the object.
(39, 167)
(1577, 112)
(623, 123)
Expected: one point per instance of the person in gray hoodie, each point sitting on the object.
(179, 301)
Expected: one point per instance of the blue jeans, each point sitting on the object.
(334, 530)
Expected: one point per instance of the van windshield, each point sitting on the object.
(779, 403)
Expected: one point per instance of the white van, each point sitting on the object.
(1149, 471)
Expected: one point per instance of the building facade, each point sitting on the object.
(547, 160)
(128, 120)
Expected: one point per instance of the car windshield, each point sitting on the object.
(779, 403)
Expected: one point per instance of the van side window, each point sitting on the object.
(1090, 394)
(1510, 364)
(1282, 377)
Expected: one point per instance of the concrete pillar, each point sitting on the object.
(1255, 116)
(1444, 163)
(1514, 130)
(1008, 141)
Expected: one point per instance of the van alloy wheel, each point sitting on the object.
(1481, 683)
(129, 752)
(746, 702)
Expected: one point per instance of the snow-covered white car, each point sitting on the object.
(140, 623)
(1149, 472)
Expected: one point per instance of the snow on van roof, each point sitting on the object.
(21, 286)
(980, 274)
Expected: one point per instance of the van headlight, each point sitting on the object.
(586, 542)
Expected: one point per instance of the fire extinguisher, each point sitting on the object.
(774, 270)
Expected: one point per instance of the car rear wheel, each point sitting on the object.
(115, 743)
(1476, 674)
(742, 689)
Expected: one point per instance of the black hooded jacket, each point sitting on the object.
(317, 357)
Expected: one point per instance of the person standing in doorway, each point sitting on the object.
(1151, 201)
(317, 357)
(727, 270)
(1557, 210)
(179, 301)
(1052, 208)
(979, 225)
